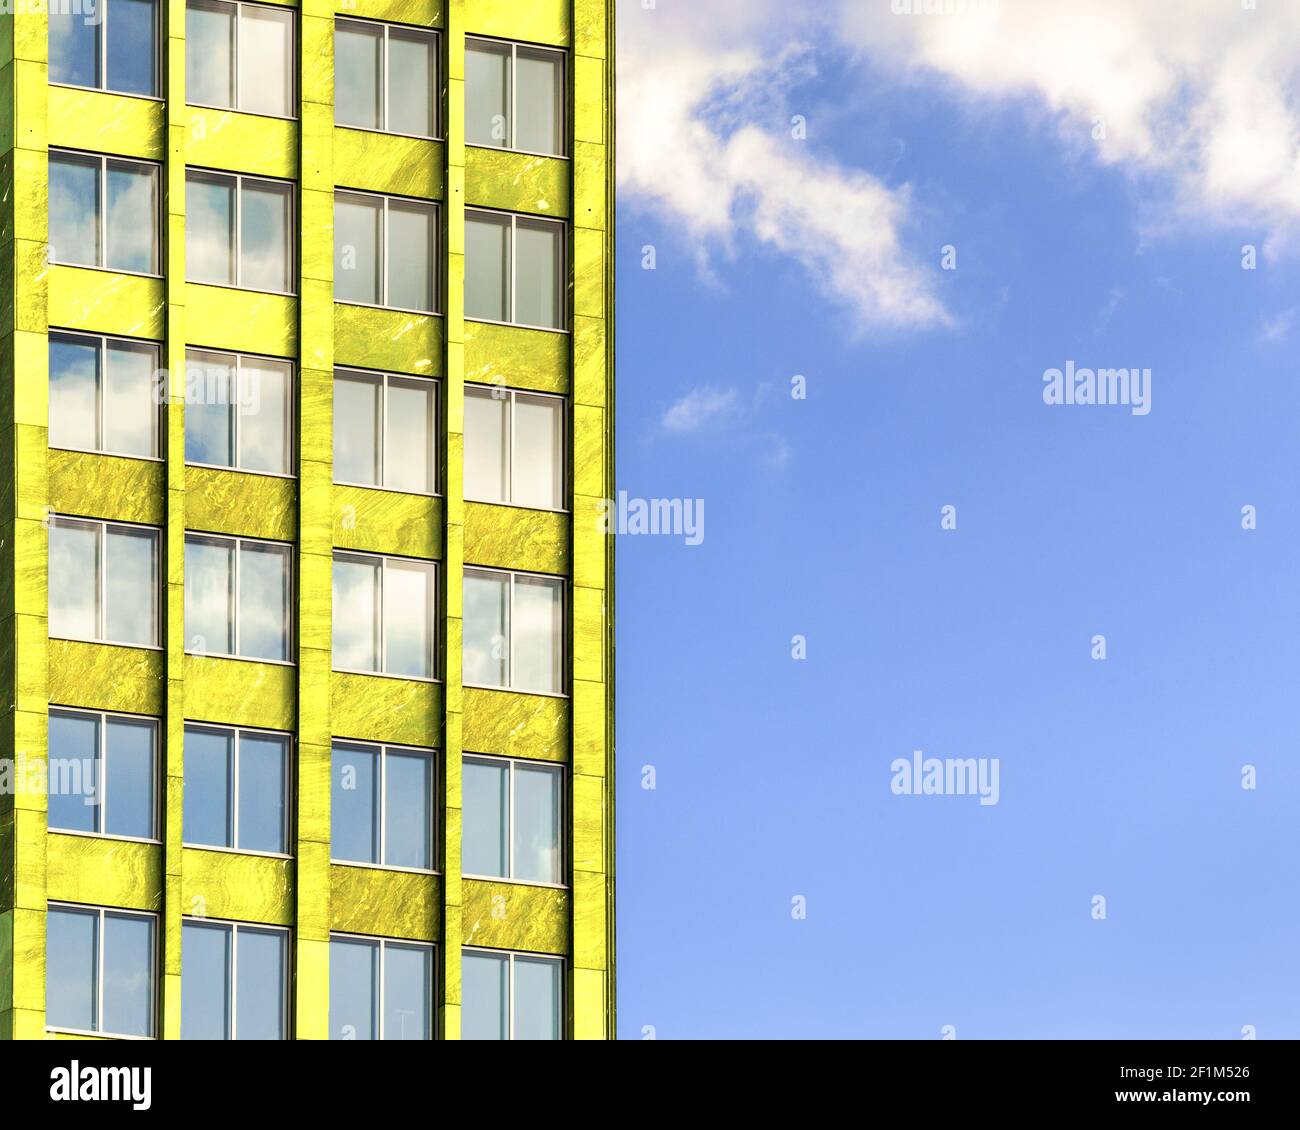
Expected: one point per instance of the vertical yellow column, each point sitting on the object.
(315, 519)
(454, 541)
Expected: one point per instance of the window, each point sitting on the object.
(514, 96)
(383, 615)
(385, 251)
(380, 990)
(511, 825)
(514, 447)
(104, 395)
(239, 412)
(513, 631)
(514, 269)
(117, 52)
(100, 970)
(239, 57)
(237, 597)
(385, 429)
(385, 78)
(103, 769)
(103, 582)
(236, 789)
(238, 231)
(234, 981)
(382, 806)
(103, 212)
(510, 996)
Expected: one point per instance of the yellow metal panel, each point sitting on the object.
(516, 358)
(387, 339)
(386, 162)
(515, 916)
(106, 302)
(516, 182)
(234, 502)
(384, 521)
(106, 486)
(386, 904)
(244, 888)
(517, 725)
(242, 143)
(107, 123)
(510, 537)
(539, 21)
(240, 692)
(103, 677)
(380, 709)
(219, 317)
(423, 13)
(105, 872)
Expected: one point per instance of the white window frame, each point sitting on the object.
(510, 982)
(101, 580)
(239, 543)
(291, 235)
(561, 817)
(381, 252)
(382, 749)
(116, 912)
(401, 943)
(286, 823)
(101, 224)
(101, 351)
(237, 360)
(291, 64)
(561, 269)
(236, 928)
(512, 574)
(101, 784)
(499, 393)
(436, 39)
(384, 559)
(435, 433)
(159, 43)
(514, 46)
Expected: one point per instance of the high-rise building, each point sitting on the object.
(306, 412)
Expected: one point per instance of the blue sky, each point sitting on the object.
(1119, 777)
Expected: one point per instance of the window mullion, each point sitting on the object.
(234, 610)
(234, 980)
(234, 791)
(235, 384)
(239, 204)
(101, 595)
(510, 820)
(383, 805)
(383, 956)
(101, 783)
(101, 220)
(99, 973)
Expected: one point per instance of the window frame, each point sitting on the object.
(510, 627)
(512, 394)
(286, 826)
(407, 943)
(239, 541)
(159, 42)
(561, 268)
(101, 346)
(232, 968)
(381, 256)
(434, 613)
(101, 224)
(565, 83)
(100, 913)
(102, 525)
(202, 172)
(382, 749)
(291, 432)
(291, 64)
(558, 769)
(435, 430)
(530, 955)
(386, 25)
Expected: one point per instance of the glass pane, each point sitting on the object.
(537, 635)
(74, 381)
(357, 236)
(260, 988)
(410, 256)
(354, 989)
(408, 992)
(408, 619)
(74, 772)
(129, 779)
(487, 267)
(131, 585)
(537, 824)
(537, 467)
(357, 406)
(205, 981)
(539, 85)
(71, 969)
(411, 88)
(486, 440)
(485, 789)
(74, 581)
(485, 982)
(264, 236)
(537, 999)
(128, 972)
(265, 409)
(74, 210)
(485, 657)
(537, 251)
(408, 792)
(131, 231)
(265, 61)
(356, 615)
(210, 54)
(209, 409)
(133, 47)
(408, 463)
(130, 399)
(487, 94)
(264, 601)
(210, 229)
(354, 805)
(358, 50)
(263, 765)
(209, 596)
(209, 814)
(74, 46)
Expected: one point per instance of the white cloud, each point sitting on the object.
(1278, 327)
(699, 407)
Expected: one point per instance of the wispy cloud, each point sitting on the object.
(698, 408)
(1278, 327)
